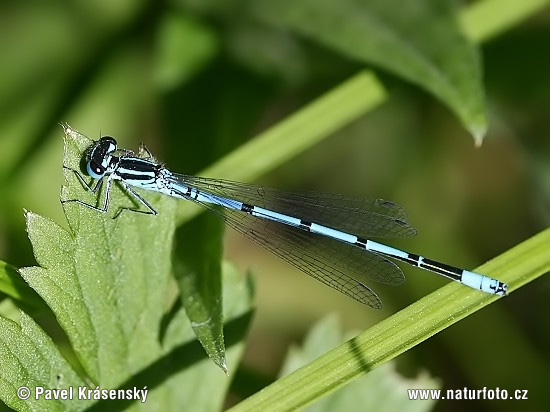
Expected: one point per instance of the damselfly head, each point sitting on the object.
(99, 155)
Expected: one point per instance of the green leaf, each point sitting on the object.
(198, 255)
(203, 388)
(105, 279)
(108, 283)
(381, 390)
(420, 41)
(400, 332)
(184, 375)
(30, 359)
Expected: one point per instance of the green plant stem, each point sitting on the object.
(400, 332)
(297, 133)
(347, 102)
(485, 19)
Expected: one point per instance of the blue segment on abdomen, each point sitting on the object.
(333, 233)
(278, 217)
(386, 250)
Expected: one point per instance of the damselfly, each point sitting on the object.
(324, 235)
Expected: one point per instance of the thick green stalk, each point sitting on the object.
(400, 332)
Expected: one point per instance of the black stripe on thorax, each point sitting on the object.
(135, 176)
(138, 165)
(137, 169)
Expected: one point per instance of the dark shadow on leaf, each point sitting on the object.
(167, 319)
(355, 349)
(182, 357)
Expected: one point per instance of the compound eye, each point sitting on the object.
(95, 170)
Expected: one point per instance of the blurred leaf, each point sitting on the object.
(381, 390)
(269, 51)
(12, 285)
(203, 387)
(402, 331)
(293, 135)
(197, 267)
(184, 47)
(37, 88)
(30, 358)
(419, 41)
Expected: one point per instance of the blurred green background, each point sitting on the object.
(196, 81)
